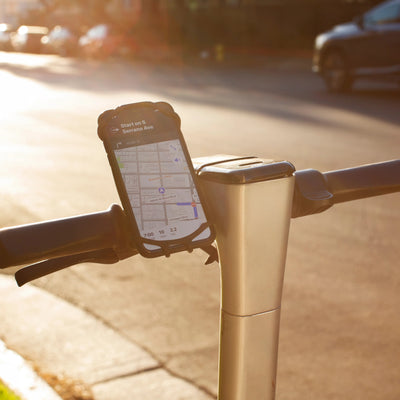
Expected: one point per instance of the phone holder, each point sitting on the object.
(186, 244)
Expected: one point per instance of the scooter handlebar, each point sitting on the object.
(365, 181)
(64, 237)
(103, 236)
(315, 191)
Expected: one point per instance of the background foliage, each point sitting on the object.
(200, 24)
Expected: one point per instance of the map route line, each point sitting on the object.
(193, 204)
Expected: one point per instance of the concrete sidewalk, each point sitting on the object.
(63, 340)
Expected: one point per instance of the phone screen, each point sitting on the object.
(157, 179)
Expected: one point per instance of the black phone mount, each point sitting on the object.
(185, 244)
(165, 125)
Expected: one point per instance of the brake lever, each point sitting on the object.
(102, 256)
(46, 267)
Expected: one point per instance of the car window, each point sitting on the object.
(63, 33)
(92, 32)
(98, 32)
(58, 33)
(386, 14)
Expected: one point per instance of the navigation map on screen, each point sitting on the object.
(161, 191)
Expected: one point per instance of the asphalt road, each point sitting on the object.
(340, 330)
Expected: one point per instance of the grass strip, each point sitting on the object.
(6, 393)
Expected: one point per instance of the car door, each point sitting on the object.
(382, 28)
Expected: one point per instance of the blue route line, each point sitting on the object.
(196, 214)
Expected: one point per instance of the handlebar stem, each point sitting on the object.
(252, 220)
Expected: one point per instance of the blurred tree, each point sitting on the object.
(150, 6)
(51, 5)
(195, 25)
(95, 10)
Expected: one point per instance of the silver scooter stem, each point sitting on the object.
(250, 202)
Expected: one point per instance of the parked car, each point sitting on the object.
(60, 40)
(5, 37)
(103, 41)
(369, 47)
(28, 38)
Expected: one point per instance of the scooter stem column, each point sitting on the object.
(250, 202)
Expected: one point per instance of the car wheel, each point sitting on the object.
(335, 72)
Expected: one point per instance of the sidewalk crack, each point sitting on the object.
(127, 375)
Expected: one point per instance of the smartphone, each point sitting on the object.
(155, 179)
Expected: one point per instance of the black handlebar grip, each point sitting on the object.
(61, 237)
(365, 181)
(316, 192)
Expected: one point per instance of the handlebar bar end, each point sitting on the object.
(310, 193)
